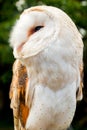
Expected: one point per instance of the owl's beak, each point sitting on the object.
(19, 48)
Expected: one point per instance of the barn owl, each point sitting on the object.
(47, 73)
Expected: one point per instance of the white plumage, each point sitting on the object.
(48, 44)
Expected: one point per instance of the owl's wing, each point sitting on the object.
(17, 95)
(79, 95)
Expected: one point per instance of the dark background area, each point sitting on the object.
(9, 12)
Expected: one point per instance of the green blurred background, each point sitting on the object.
(9, 12)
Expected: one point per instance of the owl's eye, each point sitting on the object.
(37, 28)
(33, 30)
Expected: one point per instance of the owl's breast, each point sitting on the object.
(52, 110)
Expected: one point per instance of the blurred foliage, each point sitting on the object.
(9, 12)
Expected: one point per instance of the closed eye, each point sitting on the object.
(37, 28)
(33, 30)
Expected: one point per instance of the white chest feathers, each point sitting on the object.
(52, 110)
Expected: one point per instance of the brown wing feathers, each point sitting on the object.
(17, 95)
(79, 94)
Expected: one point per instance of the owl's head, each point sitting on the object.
(40, 27)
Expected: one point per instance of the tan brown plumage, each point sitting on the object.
(17, 95)
(80, 89)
